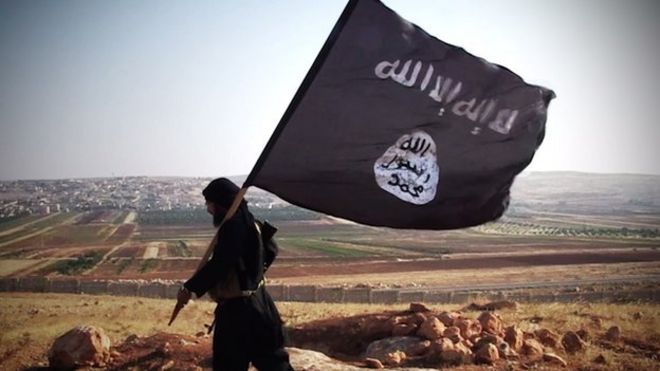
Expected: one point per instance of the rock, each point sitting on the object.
(373, 363)
(448, 318)
(80, 346)
(506, 351)
(600, 359)
(394, 358)
(404, 329)
(378, 326)
(409, 345)
(547, 337)
(532, 348)
(583, 334)
(453, 333)
(514, 337)
(487, 354)
(458, 355)
(441, 345)
(613, 333)
(637, 315)
(419, 349)
(200, 334)
(490, 322)
(572, 342)
(554, 359)
(487, 339)
(494, 305)
(419, 308)
(132, 338)
(431, 329)
(303, 359)
(468, 327)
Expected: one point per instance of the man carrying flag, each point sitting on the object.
(393, 127)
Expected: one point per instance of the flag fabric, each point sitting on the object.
(394, 127)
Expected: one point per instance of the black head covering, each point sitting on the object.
(221, 191)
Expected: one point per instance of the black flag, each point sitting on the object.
(393, 127)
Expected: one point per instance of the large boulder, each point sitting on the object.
(303, 359)
(78, 347)
(389, 349)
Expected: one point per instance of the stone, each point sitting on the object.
(419, 308)
(514, 337)
(494, 305)
(532, 348)
(458, 355)
(441, 345)
(403, 329)
(379, 326)
(613, 333)
(572, 342)
(637, 315)
(600, 359)
(453, 333)
(373, 363)
(431, 329)
(554, 359)
(487, 354)
(394, 358)
(583, 334)
(506, 351)
(490, 322)
(468, 327)
(547, 337)
(448, 318)
(419, 349)
(78, 347)
(408, 345)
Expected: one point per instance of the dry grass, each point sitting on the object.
(30, 322)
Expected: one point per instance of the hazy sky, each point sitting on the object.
(195, 88)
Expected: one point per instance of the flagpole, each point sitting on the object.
(209, 250)
(302, 89)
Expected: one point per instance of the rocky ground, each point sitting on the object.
(413, 339)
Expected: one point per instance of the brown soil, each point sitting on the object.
(342, 338)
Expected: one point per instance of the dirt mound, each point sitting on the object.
(417, 337)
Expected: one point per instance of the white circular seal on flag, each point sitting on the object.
(409, 168)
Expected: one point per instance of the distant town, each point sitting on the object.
(28, 197)
(545, 192)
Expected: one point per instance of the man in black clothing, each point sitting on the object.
(248, 327)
